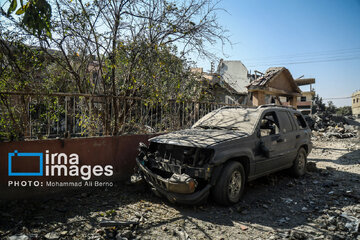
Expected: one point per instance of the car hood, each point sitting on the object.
(198, 137)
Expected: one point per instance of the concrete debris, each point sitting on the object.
(243, 227)
(52, 236)
(353, 222)
(182, 234)
(287, 200)
(325, 125)
(19, 237)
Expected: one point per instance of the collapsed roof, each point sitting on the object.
(276, 80)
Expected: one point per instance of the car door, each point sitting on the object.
(289, 133)
(303, 133)
(271, 146)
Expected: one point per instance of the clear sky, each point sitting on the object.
(325, 34)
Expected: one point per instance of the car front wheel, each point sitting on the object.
(230, 186)
(299, 167)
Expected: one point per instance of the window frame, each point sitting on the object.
(298, 122)
(276, 120)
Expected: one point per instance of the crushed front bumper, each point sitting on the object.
(171, 190)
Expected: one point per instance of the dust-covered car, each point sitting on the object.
(223, 150)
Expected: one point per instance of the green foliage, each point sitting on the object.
(318, 105)
(36, 15)
(331, 107)
(12, 6)
(116, 47)
(153, 72)
(9, 122)
(21, 67)
(344, 111)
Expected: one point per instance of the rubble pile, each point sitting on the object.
(339, 224)
(326, 125)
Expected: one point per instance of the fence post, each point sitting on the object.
(74, 116)
(66, 99)
(30, 120)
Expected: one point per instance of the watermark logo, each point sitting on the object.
(17, 154)
(56, 164)
(60, 165)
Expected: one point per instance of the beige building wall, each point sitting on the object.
(307, 96)
(355, 101)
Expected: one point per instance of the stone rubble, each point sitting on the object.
(325, 125)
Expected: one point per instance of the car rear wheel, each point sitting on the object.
(230, 186)
(299, 167)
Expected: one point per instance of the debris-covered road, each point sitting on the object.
(325, 204)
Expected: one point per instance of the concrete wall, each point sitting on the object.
(119, 151)
(235, 74)
(309, 96)
(282, 82)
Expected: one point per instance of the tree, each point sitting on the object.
(318, 105)
(344, 111)
(36, 15)
(117, 47)
(331, 107)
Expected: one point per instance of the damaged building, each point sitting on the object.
(355, 103)
(275, 83)
(305, 101)
(220, 90)
(232, 83)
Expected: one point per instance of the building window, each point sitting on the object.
(303, 99)
(357, 100)
(354, 100)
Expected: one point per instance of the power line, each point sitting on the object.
(309, 58)
(317, 53)
(336, 98)
(311, 61)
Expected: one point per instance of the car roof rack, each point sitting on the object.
(236, 106)
(275, 105)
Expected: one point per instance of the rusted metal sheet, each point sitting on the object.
(119, 151)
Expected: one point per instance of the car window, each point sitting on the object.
(300, 121)
(292, 120)
(237, 119)
(269, 124)
(285, 121)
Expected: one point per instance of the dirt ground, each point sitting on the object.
(324, 204)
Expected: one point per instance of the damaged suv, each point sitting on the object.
(223, 150)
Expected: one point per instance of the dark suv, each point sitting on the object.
(223, 150)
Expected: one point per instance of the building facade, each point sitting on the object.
(275, 83)
(355, 103)
(232, 83)
(306, 98)
(235, 74)
(305, 102)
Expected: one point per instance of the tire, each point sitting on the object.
(230, 186)
(299, 167)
